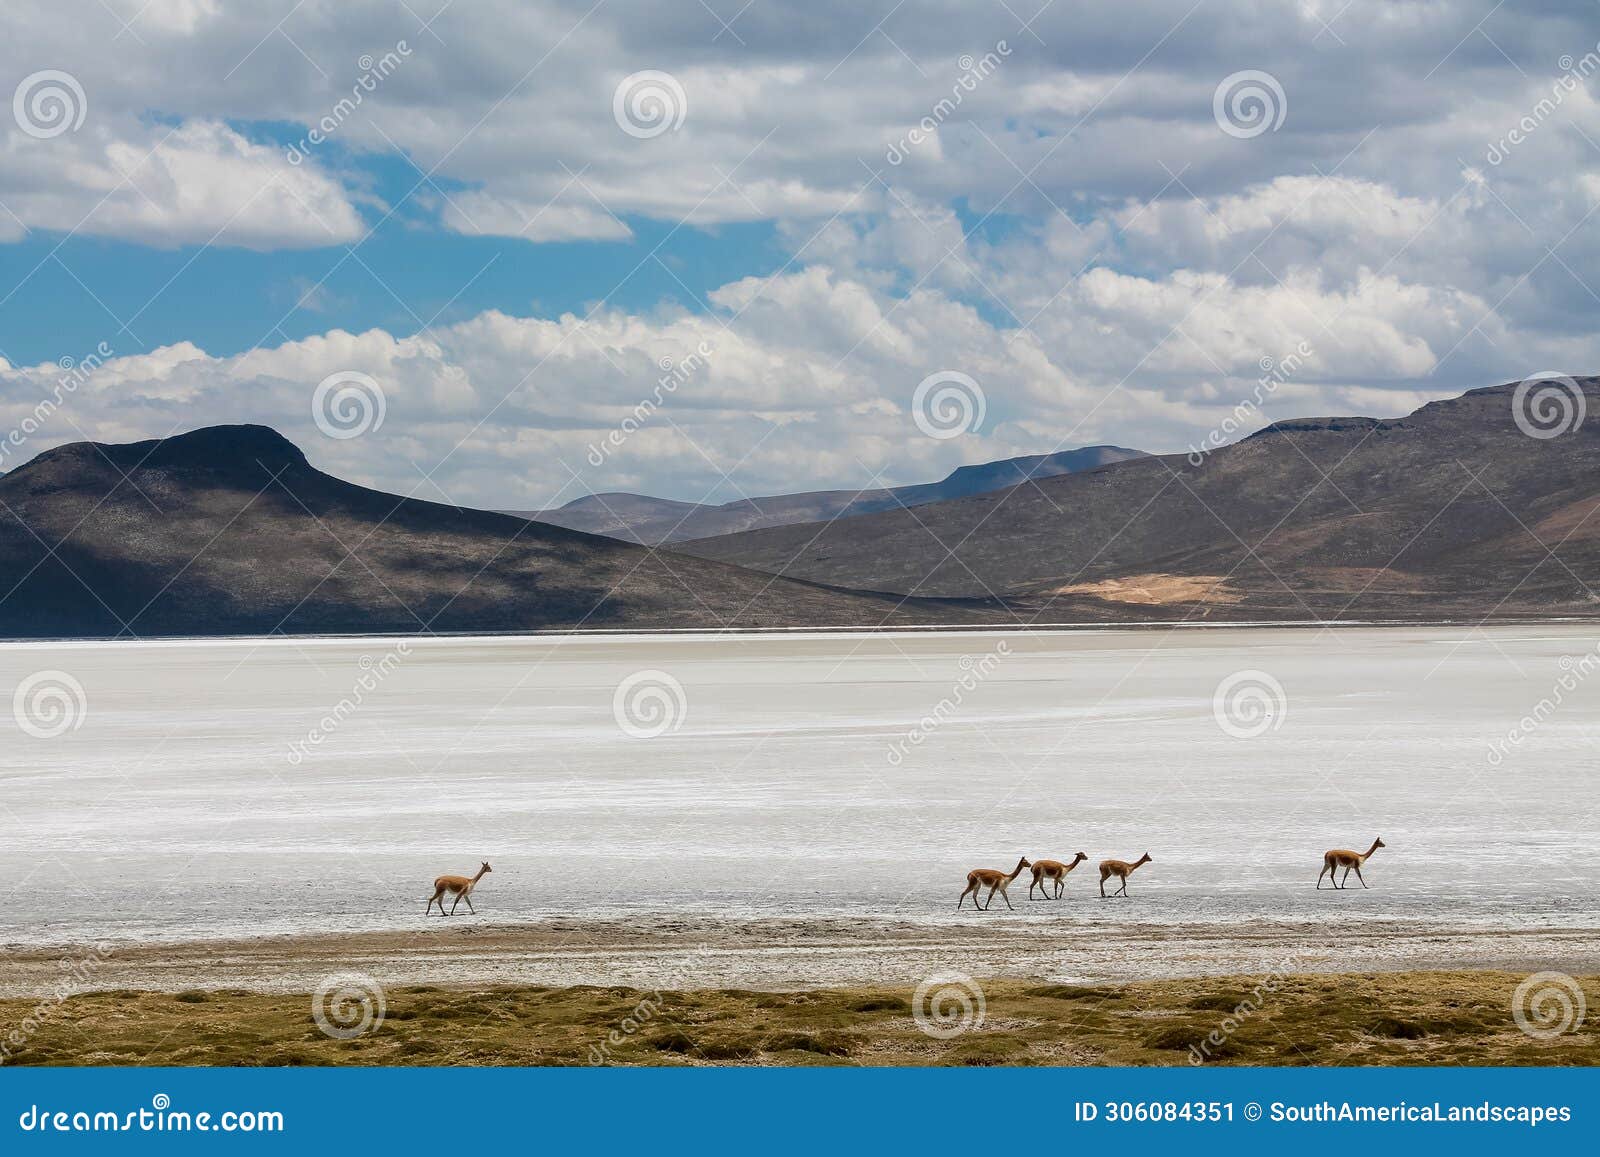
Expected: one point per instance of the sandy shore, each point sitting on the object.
(785, 955)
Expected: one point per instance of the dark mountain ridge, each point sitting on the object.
(231, 530)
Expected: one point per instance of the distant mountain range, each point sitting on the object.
(1453, 510)
(640, 518)
(229, 530)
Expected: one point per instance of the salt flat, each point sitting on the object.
(218, 790)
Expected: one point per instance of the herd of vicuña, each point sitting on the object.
(1050, 876)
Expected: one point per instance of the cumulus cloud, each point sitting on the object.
(196, 182)
(1070, 226)
(800, 379)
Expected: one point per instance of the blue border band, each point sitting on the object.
(800, 1111)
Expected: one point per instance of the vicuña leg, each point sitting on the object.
(1360, 877)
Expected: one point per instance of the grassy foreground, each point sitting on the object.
(1450, 1018)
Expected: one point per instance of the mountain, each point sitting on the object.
(1451, 510)
(230, 530)
(639, 518)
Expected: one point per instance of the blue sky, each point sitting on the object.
(1103, 224)
(409, 271)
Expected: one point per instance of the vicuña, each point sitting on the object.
(1120, 869)
(997, 881)
(1054, 871)
(1350, 861)
(460, 886)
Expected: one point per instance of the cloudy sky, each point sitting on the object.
(499, 225)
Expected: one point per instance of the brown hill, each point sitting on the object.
(1451, 510)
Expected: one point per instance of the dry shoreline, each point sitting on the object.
(667, 990)
(998, 627)
(779, 955)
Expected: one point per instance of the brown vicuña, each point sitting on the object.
(461, 886)
(997, 881)
(1349, 861)
(1122, 870)
(1052, 870)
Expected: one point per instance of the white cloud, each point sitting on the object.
(1077, 234)
(480, 214)
(805, 381)
(191, 183)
